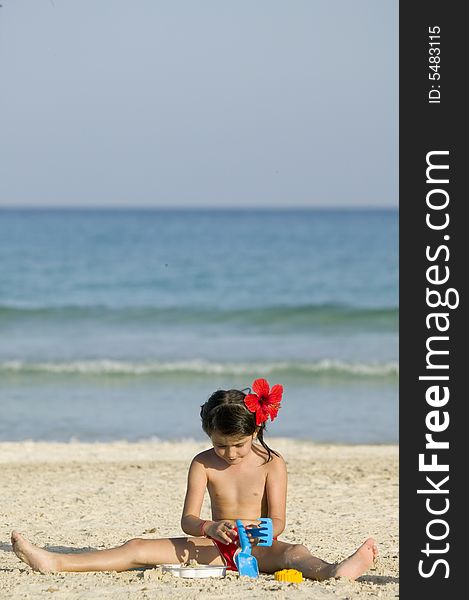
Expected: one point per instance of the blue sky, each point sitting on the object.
(228, 103)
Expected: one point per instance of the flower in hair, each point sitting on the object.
(265, 401)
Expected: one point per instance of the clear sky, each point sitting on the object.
(263, 103)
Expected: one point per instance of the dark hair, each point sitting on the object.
(226, 413)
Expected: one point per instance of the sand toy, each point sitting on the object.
(290, 575)
(263, 532)
(246, 563)
(195, 571)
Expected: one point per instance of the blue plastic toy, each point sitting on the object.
(263, 532)
(246, 563)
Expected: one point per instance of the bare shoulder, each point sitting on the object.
(277, 464)
(205, 458)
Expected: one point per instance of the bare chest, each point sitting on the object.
(239, 494)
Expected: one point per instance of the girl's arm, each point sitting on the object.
(276, 488)
(191, 522)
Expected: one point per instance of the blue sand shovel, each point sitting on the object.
(246, 563)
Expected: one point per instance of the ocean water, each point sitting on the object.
(118, 324)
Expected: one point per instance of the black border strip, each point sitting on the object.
(429, 127)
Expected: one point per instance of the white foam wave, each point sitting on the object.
(200, 367)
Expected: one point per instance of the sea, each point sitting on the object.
(118, 324)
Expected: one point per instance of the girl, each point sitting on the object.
(245, 480)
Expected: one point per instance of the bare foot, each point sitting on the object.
(359, 562)
(37, 558)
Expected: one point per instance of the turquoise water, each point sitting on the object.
(119, 324)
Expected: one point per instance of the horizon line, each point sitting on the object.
(197, 208)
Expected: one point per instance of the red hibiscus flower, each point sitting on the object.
(265, 402)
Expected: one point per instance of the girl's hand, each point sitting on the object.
(223, 531)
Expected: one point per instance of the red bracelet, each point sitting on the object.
(201, 529)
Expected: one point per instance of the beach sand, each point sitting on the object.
(95, 496)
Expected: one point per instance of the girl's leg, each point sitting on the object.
(296, 556)
(133, 554)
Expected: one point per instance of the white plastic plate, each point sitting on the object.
(195, 572)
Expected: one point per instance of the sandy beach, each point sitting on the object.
(94, 496)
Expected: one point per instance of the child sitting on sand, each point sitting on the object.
(245, 480)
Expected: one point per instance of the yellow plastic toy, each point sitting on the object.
(291, 575)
